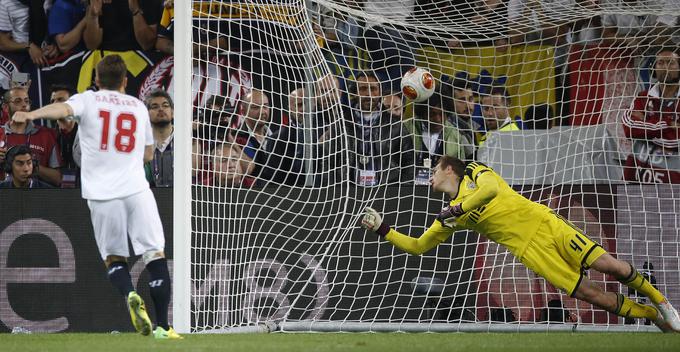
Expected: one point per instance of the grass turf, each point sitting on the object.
(369, 342)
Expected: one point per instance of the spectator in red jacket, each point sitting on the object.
(653, 124)
(41, 140)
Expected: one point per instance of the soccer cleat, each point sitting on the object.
(140, 319)
(169, 334)
(670, 315)
(661, 323)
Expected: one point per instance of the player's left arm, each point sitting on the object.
(487, 189)
(148, 153)
(54, 111)
(485, 180)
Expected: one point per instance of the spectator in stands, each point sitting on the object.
(206, 119)
(328, 123)
(165, 40)
(254, 127)
(654, 125)
(41, 140)
(122, 25)
(381, 151)
(16, 31)
(587, 30)
(461, 117)
(21, 167)
(497, 117)
(200, 163)
(296, 106)
(633, 29)
(219, 119)
(538, 22)
(327, 92)
(285, 149)
(538, 117)
(226, 168)
(327, 107)
(66, 24)
(394, 104)
(340, 28)
(67, 129)
(217, 123)
(487, 17)
(208, 34)
(18, 79)
(338, 34)
(161, 114)
(389, 47)
(218, 113)
(433, 136)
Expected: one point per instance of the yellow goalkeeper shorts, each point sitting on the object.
(561, 253)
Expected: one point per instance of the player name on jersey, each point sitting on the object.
(115, 99)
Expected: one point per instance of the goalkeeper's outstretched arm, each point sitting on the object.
(434, 235)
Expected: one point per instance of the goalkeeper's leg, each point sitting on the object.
(627, 275)
(617, 303)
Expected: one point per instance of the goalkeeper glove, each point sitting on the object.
(447, 217)
(372, 221)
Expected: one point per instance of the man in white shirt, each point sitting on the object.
(14, 33)
(115, 139)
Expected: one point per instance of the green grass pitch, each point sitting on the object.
(369, 342)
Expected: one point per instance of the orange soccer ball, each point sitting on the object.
(417, 84)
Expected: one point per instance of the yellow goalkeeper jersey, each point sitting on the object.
(508, 218)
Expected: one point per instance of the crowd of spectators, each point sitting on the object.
(250, 142)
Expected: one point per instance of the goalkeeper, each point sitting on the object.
(541, 239)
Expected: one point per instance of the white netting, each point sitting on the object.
(298, 126)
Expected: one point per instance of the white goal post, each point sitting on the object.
(266, 234)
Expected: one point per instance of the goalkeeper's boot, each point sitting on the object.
(670, 315)
(661, 323)
(140, 319)
(169, 334)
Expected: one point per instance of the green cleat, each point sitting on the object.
(140, 319)
(169, 334)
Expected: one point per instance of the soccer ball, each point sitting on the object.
(417, 84)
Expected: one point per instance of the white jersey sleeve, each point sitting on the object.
(149, 131)
(77, 104)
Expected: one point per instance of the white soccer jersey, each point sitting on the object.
(114, 130)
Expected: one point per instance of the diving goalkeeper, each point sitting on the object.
(541, 239)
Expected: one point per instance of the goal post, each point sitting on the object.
(266, 234)
(182, 198)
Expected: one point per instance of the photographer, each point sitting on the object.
(20, 166)
(42, 141)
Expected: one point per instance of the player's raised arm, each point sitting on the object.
(54, 111)
(434, 235)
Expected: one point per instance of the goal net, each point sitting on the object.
(298, 125)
